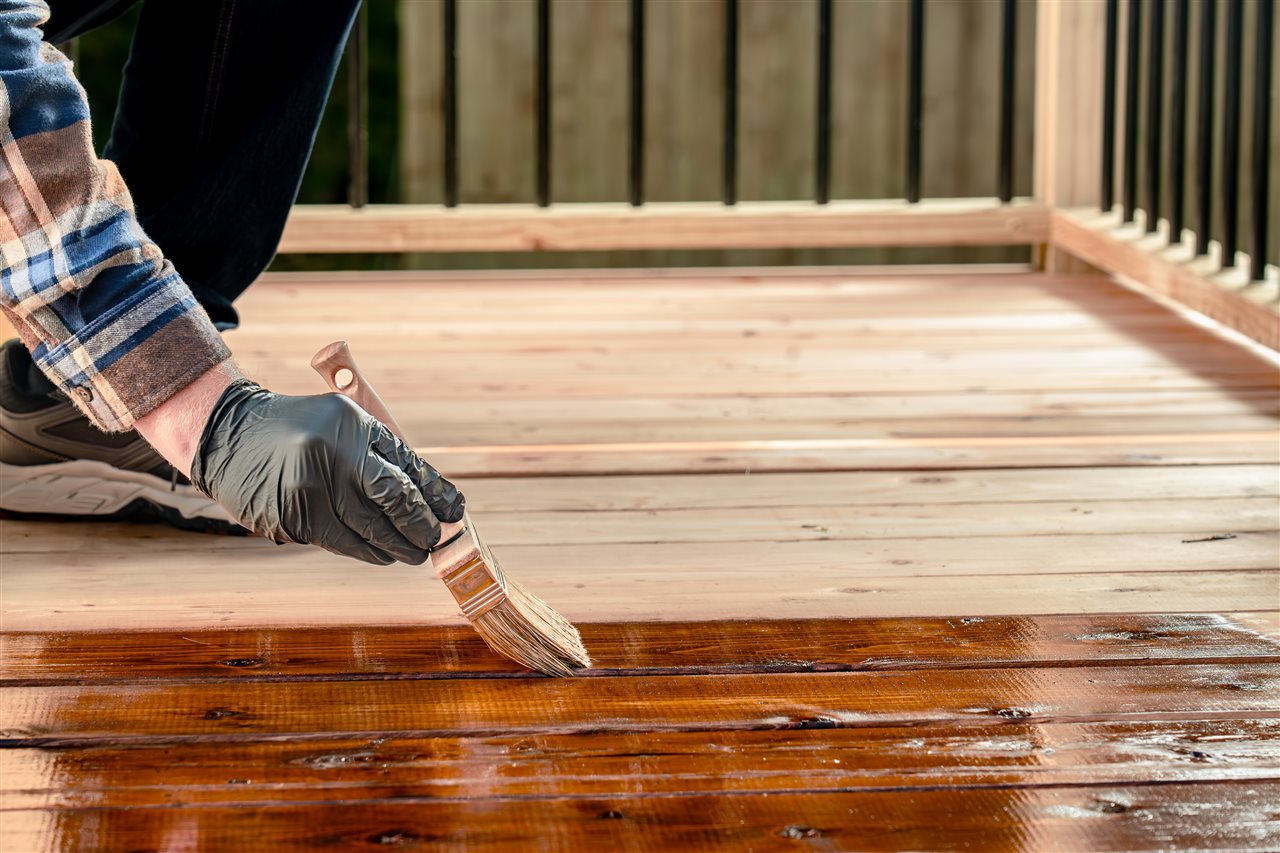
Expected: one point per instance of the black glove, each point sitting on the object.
(321, 471)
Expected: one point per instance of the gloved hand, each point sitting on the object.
(321, 471)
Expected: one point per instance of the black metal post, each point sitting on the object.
(1008, 57)
(1178, 120)
(822, 161)
(636, 153)
(1231, 134)
(729, 185)
(1204, 124)
(1109, 107)
(1133, 47)
(1155, 112)
(449, 103)
(544, 103)
(1262, 85)
(358, 111)
(915, 91)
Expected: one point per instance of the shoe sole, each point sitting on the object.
(84, 489)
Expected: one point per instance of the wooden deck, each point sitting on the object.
(867, 561)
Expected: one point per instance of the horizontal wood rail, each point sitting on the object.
(675, 225)
(1198, 282)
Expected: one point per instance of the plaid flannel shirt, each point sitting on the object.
(105, 316)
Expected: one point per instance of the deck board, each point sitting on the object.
(866, 561)
(1237, 816)
(640, 648)
(665, 763)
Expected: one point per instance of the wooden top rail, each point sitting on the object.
(677, 225)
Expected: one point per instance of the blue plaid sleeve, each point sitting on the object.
(104, 314)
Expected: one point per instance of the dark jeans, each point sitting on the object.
(218, 113)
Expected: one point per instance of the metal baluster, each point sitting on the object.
(636, 154)
(1133, 48)
(1263, 81)
(822, 177)
(915, 86)
(1109, 107)
(1178, 120)
(358, 111)
(1231, 135)
(729, 188)
(544, 103)
(1204, 124)
(449, 103)
(1155, 112)
(1008, 57)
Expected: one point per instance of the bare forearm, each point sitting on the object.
(174, 427)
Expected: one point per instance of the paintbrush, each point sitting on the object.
(514, 622)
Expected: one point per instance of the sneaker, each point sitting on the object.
(55, 464)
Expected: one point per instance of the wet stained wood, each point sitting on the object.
(189, 712)
(642, 649)
(1223, 815)
(651, 763)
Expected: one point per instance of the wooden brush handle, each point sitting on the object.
(337, 356)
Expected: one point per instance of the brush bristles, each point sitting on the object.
(525, 629)
(520, 626)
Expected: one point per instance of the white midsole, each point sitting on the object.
(87, 487)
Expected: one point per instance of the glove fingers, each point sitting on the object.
(382, 535)
(446, 502)
(399, 520)
(347, 543)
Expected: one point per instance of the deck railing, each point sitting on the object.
(1091, 85)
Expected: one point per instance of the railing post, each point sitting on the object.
(1070, 63)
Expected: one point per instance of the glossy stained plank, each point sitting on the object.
(35, 716)
(646, 764)
(1242, 816)
(643, 649)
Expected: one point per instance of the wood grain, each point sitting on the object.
(634, 766)
(1221, 294)
(640, 649)
(222, 711)
(1102, 818)
(291, 586)
(661, 225)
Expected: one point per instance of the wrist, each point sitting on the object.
(174, 427)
